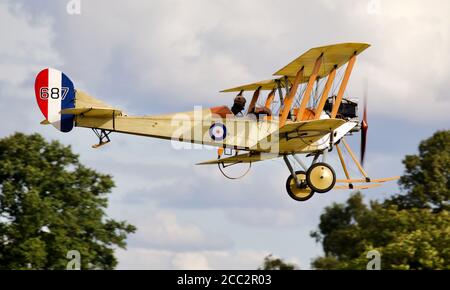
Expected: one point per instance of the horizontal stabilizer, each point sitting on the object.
(89, 106)
(92, 112)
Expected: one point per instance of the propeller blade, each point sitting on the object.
(364, 128)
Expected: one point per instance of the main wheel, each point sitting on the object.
(321, 177)
(301, 193)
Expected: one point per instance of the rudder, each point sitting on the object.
(55, 92)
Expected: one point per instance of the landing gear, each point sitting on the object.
(299, 193)
(319, 177)
(103, 137)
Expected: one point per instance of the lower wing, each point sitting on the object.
(241, 158)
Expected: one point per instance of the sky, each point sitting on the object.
(153, 57)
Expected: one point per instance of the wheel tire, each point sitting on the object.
(299, 194)
(321, 177)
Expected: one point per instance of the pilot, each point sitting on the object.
(238, 105)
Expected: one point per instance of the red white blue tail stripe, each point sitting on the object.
(55, 92)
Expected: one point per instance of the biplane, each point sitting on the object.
(307, 118)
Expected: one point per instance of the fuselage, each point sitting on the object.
(243, 133)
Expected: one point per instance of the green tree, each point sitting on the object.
(427, 175)
(410, 230)
(50, 204)
(273, 263)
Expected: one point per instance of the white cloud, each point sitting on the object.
(179, 54)
(190, 261)
(27, 46)
(162, 230)
(263, 217)
(141, 258)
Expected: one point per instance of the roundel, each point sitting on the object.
(218, 131)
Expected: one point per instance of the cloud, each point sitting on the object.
(172, 55)
(162, 230)
(182, 186)
(191, 261)
(141, 258)
(263, 217)
(27, 45)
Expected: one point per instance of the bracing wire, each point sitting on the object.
(340, 77)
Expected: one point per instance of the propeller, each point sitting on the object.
(364, 126)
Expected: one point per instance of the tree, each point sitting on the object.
(273, 263)
(427, 175)
(51, 204)
(410, 230)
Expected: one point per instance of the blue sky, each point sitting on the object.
(151, 57)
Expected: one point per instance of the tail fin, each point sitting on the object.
(60, 102)
(55, 92)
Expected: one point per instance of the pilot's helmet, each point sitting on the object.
(240, 101)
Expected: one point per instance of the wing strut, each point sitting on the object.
(290, 98)
(269, 99)
(348, 71)
(280, 92)
(309, 88)
(255, 97)
(325, 92)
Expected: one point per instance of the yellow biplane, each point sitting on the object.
(306, 118)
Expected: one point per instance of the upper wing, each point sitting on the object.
(263, 85)
(334, 55)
